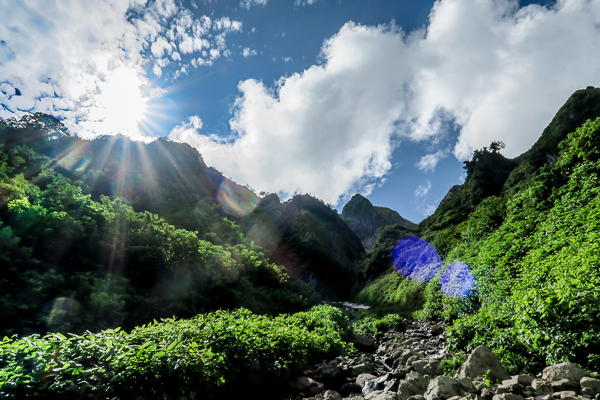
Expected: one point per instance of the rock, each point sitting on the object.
(307, 385)
(363, 343)
(479, 385)
(569, 371)
(362, 378)
(365, 368)
(432, 368)
(507, 396)
(417, 380)
(329, 371)
(590, 383)
(350, 388)
(523, 379)
(502, 389)
(567, 394)
(332, 395)
(442, 388)
(381, 395)
(411, 360)
(543, 397)
(513, 383)
(467, 385)
(401, 371)
(407, 389)
(487, 392)
(419, 366)
(479, 362)
(406, 354)
(564, 384)
(417, 397)
(392, 385)
(541, 386)
(376, 384)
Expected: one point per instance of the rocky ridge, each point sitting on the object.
(406, 366)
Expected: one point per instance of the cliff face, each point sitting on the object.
(365, 219)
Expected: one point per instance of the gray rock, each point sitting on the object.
(363, 343)
(543, 397)
(442, 388)
(480, 361)
(362, 378)
(433, 368)
(406, 354)
(392, 385)
(513, 383)
(564, 384)
(487, 393)
(407, 389)
(467, 385)
(365, 368)
(569, 371)
(507, 396)
(417, 379)
(332, 395)
(523, 379)
(541, 386)
(479, 385)
(590, 383)
(502, 389)
(566, 394)
(411, 360)
(420, 365)
(381, 395)
(417, 397)
(307, 385)
(401, 371)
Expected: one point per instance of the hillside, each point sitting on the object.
(365, 219)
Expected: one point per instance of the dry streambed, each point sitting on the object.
(405, 366)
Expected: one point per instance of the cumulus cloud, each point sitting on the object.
(249, 3)
(77, 60)
(422, 190)
(247, 52)
(497, 71)
(429, 161)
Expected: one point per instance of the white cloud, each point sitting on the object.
(71, 59)
(304, 2)
(498, 71)
(249, 3)
(422, 190)
(247, 52)
(287, 59)
(428, 162)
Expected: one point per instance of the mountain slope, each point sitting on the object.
(365, 219)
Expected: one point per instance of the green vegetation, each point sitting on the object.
(376, 323)
(210, 355)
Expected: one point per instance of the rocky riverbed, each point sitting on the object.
(406, 366)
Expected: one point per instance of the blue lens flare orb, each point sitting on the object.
(416, 259)
(457, 280)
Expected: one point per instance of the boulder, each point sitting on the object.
(417, 397)
(479, 362)
(365, 368)
(401, 371)
(417, 380)
(363, 343)
(307, 385)
(381, 395)
(332, 395)
(392, 385)
(442, 388)
(523, 379)
(564, 384)
(407, 389)
(362, 378)
(566, 394)
(350, 388)
(411, 359)
(569, 371)
(432, 368)
(590, 383)
(541, 386)
(467, 385)
(329, 371)
(507, 396)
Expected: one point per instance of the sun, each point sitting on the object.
(119, 104)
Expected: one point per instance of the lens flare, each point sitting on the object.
(416, 259)
(64, 309)
(236, 200)
(76, 159)
(457, 280)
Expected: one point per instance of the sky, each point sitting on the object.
(385, 98)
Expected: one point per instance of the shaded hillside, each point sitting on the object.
(491, 174)
(310, 239)
(365, 219)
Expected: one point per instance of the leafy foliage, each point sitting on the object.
(208, 355)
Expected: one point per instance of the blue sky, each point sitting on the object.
(327, 97)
